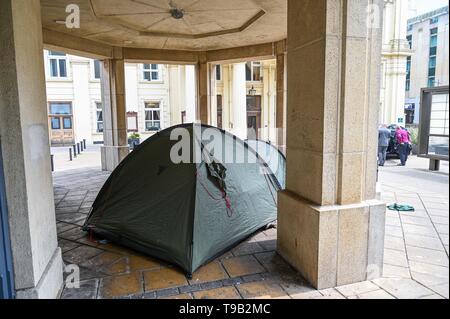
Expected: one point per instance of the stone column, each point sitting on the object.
(190, 94)
(330, 226)
(115, 136)
(203, 93)
(227, 93)
(266, 102)
(24, 143)
(239, 99)
(81, 104)
(175, 94)
(213, 95)
(281, 102)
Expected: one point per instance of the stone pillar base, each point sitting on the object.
(51, 283)
(112, 156)
(334, 245)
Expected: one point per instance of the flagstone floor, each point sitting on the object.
(416, 256)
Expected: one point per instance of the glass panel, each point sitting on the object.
(432, 63)
(440, 98)
(148, 115)
(67, 123)
(156, 115)
(431, 82)
(257, 73)
(155, 76)
(100, 127)
(97, 69)
(433, 51)
(434, 31)
(58, 108)
(154, 66)
(56, 124)
(438, 146)
(432, 72)
(99, 116)
(62, 68)
(57, 53)
(218, 73)
(248, 71)
(147, 76)
(54, 67)
(146, 66)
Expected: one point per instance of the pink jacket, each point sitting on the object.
(402, 136)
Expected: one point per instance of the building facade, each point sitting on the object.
(157, 96)
(428, 37)
(395, 53)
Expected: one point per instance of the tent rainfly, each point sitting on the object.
(186, 213)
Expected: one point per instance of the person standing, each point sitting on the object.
(403, 141)
(384, 136)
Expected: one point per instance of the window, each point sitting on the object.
(219, 111)
(58, 64)
(97, 68)
(152, 117)
(410, 27)
(254, 71)
(151, 72)
(56, 124)
(67, 123)
(434, 20)
(218, 72)
(99, 112)
(409, 39)
(60, 109)
(432, 58)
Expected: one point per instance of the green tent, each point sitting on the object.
(191, 212)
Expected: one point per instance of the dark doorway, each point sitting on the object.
(6, 272)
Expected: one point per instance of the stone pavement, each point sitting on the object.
(416, 251)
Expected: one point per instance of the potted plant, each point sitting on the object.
(133, 140)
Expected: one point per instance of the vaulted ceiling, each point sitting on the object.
(196, 25)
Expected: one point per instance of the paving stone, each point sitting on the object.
(393, 221)
(119, 267)
(87, 290)
(72, 218)
(80, 254)
(438, 212)
(261, 289)
(307, 295)
(414, 220)
(390, 271)
(442, 290)
(428, 280)
(62, 227)
(232, 282)
(394, 231)
(394, 243)
(429, 269)
(73, 234)
(403, 288)
(242, 266)
(211, 285)
(293, 287)
(442, 229)
(252, 278)
(268, 245)
(273, 262)
(142, 263)
(427, 256)
(190, 288)
(420, 230)
(101, 260)
(423, 242)
(219, 293)
(247, 249)
(180, 296)
(330, 294)
(377, 294)
(164, 293)
(164, 278)
(357, 289)
(121, 286)
(66, 245)
(395, 258)
(444, 239)
(210, 272)
(440, 220)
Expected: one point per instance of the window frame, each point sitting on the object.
(58, 57)
(252, 65)
(152, 109)
(151, 71)
(97, 122)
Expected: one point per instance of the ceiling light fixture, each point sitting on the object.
(177, 13)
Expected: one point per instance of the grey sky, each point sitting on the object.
(424, 6)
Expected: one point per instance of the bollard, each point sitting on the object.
(53, 164)
(81, 147)
(74, 151)
(84, 143)
(70, 155)
(78, 148)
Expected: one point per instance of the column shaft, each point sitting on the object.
(330, 227)
(115, 147)
(239, 99)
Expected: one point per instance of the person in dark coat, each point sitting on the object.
(384, 136)
(404, 143)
